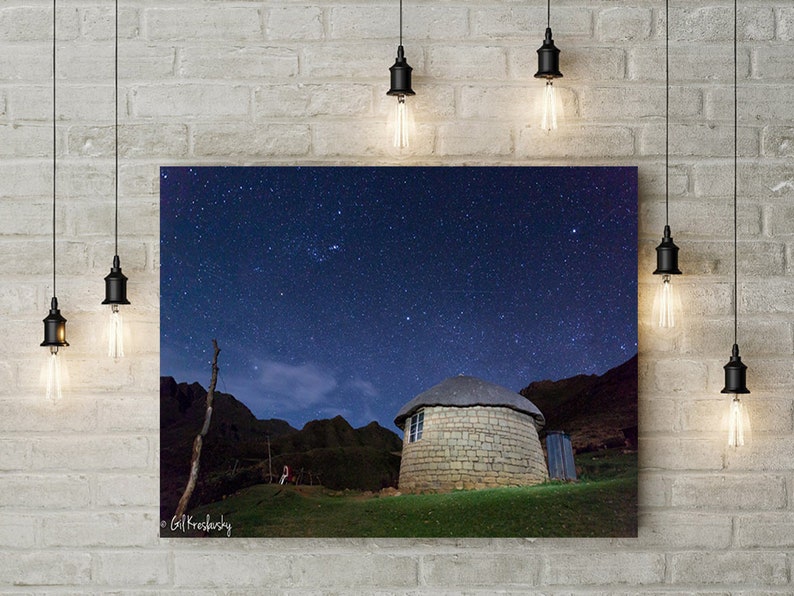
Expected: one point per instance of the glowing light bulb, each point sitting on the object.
(666, 305)
(552, 107)
(402, 124)
(115, 333)
(738, 423)
(53, 373)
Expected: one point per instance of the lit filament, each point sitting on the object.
(549, 107)
(53, 376)
(115, 333)
(736, 423)
(401, 124)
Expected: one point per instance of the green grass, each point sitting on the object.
(604, 506)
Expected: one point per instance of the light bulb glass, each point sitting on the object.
(115, 333)
(738, 423)
(52, 371)
(551, 105)
(666, 305)
(402, 124)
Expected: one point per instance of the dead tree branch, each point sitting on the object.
(199, 440)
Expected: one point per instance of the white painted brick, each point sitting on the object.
(529, 23)
(578, 64)
(623, 23)
(17, 531)
(140, 61)
(761, 337)
(87, 453)
(679, 454)
(482, 62)
(206, 22)
(764, 453)
(765, 530)
(45, 491)
(223, 569)
(432, 103)
(382, 22)
(334, 99)
(729, 568)
(772, 63)
(333, 139)
(46, 568)
(575, 141)
(237, 62)
(677, 376)
(714, 63)
(129, 414)
(98, 23)
(631, 103)
(34, 413)
(474, 139)
(126, 490)
(756, 179)
(258, 141)
(785, 23)
(359, 60)
(658, 415)
(344, 570)
(604, 568)
(653, 487)
(764, 103)
(715, 23)
(27, 65)
(777, 141)
(729, 493)
(82, 62)
(190, 101)
(294, 22)
(74, 103)
(25, 141)
(699, 140)
(675, 530)
(132, 568)
(33, 23)
(470, 569)
(92, 529)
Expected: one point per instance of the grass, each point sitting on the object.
(603, 504)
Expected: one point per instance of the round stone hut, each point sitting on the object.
(466, 433)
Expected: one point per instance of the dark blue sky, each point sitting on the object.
(338, 290)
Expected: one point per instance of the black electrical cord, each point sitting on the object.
(116, 97)
(548, 13)
(54, 146)
(401, 22)
(735, 176)
(667, 115)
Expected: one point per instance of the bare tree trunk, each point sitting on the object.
(199, 440)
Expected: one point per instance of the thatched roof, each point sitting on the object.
(462, 392)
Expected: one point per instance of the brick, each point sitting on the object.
(760, 454)
(45, 491)
(98, 23)
(128, 568)
(234, 62)
(359, 571)
(623, 24)
(630, 103)
(695, 139)
(358, 60)
(604, 568)
(435, 102)
(223, 569)
(27, 65)
(297, 100)
(679, 454)
(332, 138)
(646, 63)
(474, 569)
(715, 23)
(785, 23)
(765, 103)
(89, 453)
(45, 568)
(35, 414)
(777, 141)
(675, 530)
(207, 22)
(126, 490)
(93, 529)
(271, 139)
(474, 139)
(577, 63)
(653, 487)
(658, 415)
(135, 140)
(760, 337)
(17, 531)
(72, 256)
(425, 22)
(34, 23)
(761, 179)
(191, 101)
(729, 493)
(520, 22)
(135, 413)
(729, 568)
(765, 530)
(767, 297)
(680, 376)
(294, 22)
(772, 63)
(84, 102)
(575, 141)
(140, 61)
(482, 63)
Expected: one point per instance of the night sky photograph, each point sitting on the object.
(349, 290)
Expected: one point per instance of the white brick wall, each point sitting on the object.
(252, 82)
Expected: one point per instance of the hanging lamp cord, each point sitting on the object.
(116, 97)
(667, 115)
(54, 146)
(401, 22)
(548, 13)
(735, 176)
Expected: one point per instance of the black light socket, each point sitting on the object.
(116, 285)
(667, 256)
(548, 59)
(735, 374)
(400, 75)
(54, 327)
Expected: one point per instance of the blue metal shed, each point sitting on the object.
(560, 453)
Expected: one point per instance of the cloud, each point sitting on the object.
(305, 384)
(364, 387)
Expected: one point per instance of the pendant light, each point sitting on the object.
(116, 281)
(54, 322)
(549, 69)
(735, 369)
(666, 304)
(401, 120)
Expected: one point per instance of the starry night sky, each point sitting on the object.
(339, 290)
